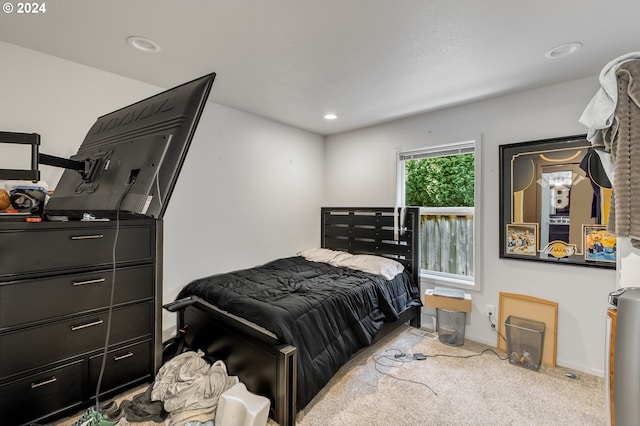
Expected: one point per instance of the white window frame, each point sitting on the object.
(439, 278)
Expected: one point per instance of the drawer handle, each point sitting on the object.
(91, 324)
(46, 382)
(96, 281)
(118, 358)
(87, 237)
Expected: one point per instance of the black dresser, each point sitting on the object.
(55, 290)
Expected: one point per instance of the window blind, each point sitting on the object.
(438, 151)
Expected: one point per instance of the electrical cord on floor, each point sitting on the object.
(113, 286)
(401, 358)
(470, 356)
(397, 358)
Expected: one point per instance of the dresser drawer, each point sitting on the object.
(28, 301)
(123, 366)
(40, 395)
(34, 250)
(36, 346)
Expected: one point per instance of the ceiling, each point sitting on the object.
(368, 61)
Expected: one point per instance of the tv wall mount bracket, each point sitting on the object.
(86, 168)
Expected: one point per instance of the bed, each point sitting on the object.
(285, 327)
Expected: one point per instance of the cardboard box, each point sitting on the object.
(448, 303)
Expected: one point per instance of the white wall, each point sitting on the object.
(360, 170)
(250, 190)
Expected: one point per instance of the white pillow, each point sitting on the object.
(378, 265)
(324, 255)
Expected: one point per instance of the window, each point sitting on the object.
(444, 182)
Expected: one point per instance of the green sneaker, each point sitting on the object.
(92, 418)
(87, 418)
(106, 422)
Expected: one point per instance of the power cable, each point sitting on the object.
(398, 359)
(111, 299)
(493, 327)
(469, 356)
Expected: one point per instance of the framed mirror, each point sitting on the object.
(554, 203)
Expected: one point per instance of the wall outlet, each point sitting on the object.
(491, 311)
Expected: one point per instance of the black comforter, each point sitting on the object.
(328, 313)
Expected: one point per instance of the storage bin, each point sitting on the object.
(525, 338)
(450, 326)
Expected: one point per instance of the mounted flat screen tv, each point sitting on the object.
(131, 158)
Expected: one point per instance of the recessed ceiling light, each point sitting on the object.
(563, 50)
(143, 44)
(330, 116)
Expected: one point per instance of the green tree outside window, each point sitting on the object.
(440, 181)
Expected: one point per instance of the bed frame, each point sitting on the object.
(252, 353)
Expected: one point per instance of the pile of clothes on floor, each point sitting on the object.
(186, 392)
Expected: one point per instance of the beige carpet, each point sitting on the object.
(482, 390)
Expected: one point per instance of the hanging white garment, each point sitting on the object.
(599, 112)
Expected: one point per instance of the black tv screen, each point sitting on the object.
(133, 156)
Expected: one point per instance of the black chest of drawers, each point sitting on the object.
(55, 291)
